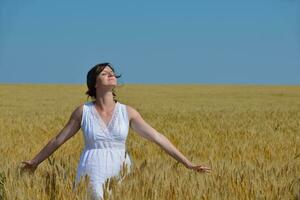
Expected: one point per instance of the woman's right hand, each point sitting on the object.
(28, 165)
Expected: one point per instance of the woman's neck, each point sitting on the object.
(105, 101)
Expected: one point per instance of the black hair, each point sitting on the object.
(92, 76)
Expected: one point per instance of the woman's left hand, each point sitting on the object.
(200, 168)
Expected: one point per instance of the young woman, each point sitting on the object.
(105, 123)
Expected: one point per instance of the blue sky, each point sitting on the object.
(205, 42)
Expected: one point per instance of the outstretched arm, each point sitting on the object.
(138, 124)
(70, 129)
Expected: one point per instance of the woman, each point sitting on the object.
(105, 123)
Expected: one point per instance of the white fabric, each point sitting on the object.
(104, 153)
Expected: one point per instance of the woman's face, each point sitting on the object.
(106, 78)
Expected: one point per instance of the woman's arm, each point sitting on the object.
(70, 129)
(138, 124)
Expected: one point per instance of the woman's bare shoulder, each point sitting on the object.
(132, 112)
(77, 113)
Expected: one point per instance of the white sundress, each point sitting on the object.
(104, 153)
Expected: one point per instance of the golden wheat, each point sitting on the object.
(249, 135)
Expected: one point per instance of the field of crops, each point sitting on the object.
(249, 135)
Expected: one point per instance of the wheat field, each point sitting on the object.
(249, 135)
